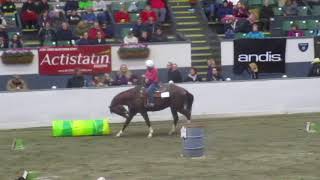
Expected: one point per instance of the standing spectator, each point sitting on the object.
(130, 39)
(159, 7)
(42, 6)
(290, 8)
(240, 11)
(71, 5)
(193, 76)
(210, 7)
(295, 32)
(159, 36)
(124, 76)
(144, 38)
(138, 28)
(169, 70)
(90, 16)
(65, 33)
(253, 71)
(77, 81)
(122, 16)
(3, 44)
(74, 18)
(93, 32)
(8, 7)
(315, 69)
(100, 40)
(216, 75)
(146, 13)
(16, 42)
(47, 34)
(43, 19)
(224, 10)
(16, 84)
(29, 15)
(175, 74)
(81, 28)
(255, 33)
(150, 26)
(108, 30)
(211, 64)
(4, 35)
(100, 5)
(84, 40)
(266, 14)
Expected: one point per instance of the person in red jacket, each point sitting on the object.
(159, 7)
(146, 13)
(122, 16)
(94, 31)
(152, 82)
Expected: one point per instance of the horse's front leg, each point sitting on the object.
(146, 119)
(125, 125)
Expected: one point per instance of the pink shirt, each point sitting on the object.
(152, 75)
(296, 33)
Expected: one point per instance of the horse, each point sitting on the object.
(177, 99)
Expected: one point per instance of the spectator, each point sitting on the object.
(4, 35)
(71, 5)
(240, 11)
(8, 7)
(90, 16)
(101, 80)
(74, 18)
(242, 25)
(108, 30)
(122, 16)
(138, 28)
(169, 69)
(3, 44)
(224, 10)
(146, 13)
(210, 7)
(3, 21)
(216, 75)
(29, 15)
(159, 7)
(151, 26)
(44, 18)
(253, 71)
(144, 38)
(81, 28)
(65, 33)
(84, 40)
(295, 32)
(193, 76)
(47, 34)
(104, 17)
(315, 69)
(211, 64)
(42, 6)
(124, 76)
(229, 33)
(290, 8)
(100, 40)
(159, 36)
(266, 14)
(175, 75)
(255, 33)
(16, 42)
(93, 32)
(130, 39)
(100, 5)
(16, 84)
(77, 81)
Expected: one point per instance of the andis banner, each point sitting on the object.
(268, 54)
(63, 60)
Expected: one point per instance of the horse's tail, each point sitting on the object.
(189, 101)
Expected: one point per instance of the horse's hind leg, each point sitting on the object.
(186, 113)
(125, 125)
(175, 121)
(146, 119)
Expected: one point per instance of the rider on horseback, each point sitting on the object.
(152, 81)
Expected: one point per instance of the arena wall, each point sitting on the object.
(278, 96)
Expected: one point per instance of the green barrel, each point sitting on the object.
(80, 127)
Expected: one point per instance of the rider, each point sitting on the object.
(152, 81)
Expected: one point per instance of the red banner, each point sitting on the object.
(63, 60)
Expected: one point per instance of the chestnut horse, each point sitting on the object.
(177, 99)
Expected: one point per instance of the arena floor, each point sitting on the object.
(254, 148)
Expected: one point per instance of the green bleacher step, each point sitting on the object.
(177, 1)
(186, 17)
(188, 23)
(194, 35)
(201, 54)
(32, 42)
(199, 41)
(201, 48)
(178, 7)
(201, 67)
(189, 29)
(202, 73)
(183, 12)
(199, 61)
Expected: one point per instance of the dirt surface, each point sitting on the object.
(257, 148)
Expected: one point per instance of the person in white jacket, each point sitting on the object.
(101, 5)
(130, 39)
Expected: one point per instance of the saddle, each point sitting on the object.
(162, 92)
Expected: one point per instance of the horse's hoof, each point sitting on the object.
(119, 134)
(171, 133)
(149, 135)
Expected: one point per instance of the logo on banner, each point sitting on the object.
(303, 46)
(264, 57)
